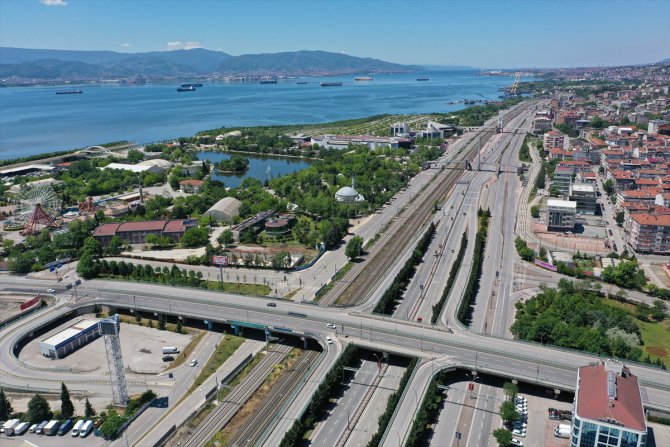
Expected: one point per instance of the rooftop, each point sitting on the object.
(70, 332)
(651, 219)
(596, 400)
(557, 203)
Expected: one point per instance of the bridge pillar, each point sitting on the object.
(209, 324)
(557, 392)
(236, 329)
(268, 335)
(304, 342)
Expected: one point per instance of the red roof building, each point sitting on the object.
(137, 232)
(608, 403)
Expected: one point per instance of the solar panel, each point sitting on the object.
(611, 376)
(611, 390)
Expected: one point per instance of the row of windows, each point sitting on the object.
(586, 436)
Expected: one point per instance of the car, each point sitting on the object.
(168, 358)
(193, 363)
(520, 425)
(331, 326)
(329, 340)
(51, 290)
(518, 432)
(271, 304)
(419, 319)
(516, 442)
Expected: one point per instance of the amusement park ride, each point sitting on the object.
(37, 208)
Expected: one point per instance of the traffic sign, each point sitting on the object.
(220, 260)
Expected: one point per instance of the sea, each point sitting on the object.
(35, 120)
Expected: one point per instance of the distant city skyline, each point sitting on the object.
(478, 33)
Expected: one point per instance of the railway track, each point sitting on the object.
(224, 412)
(356, 287)
(271, 405)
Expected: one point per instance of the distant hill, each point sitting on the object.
(448, 67)
(69, 64)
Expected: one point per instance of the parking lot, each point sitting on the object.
(50, 441)
(141, 346)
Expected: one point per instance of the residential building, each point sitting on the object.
(585, 196)
(654, 126)
(553, 139)
(561, 215)
(399, 129)
(191, 186)
(541, 124)
(650, 233)
(608, 408)
(563, 176)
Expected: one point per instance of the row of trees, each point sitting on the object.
(472, 286)
(453, 273)
(394, 294)
(429, 411)
(391, 404)
(320, 399)
(39, 409)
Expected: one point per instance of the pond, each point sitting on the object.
(261, 168)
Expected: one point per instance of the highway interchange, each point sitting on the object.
(484, 347)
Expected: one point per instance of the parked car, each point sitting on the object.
(521, 433)
(168, 358)
(516, 442)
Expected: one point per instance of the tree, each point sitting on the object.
(608, 186)
(535, 211)
(38, 410)
(89, 411)
(619, 218)
(508, 412)
(135, 156)
(87, 267)
(511, 390)
(161, 323)
(503, 437)
(92, 246)
(5, 407)
(112, 424)
(658, 310)
(66, 406)
(354, 247)
(225, 238)
(642, 311)
(195, 236)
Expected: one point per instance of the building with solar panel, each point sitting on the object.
(608, 408)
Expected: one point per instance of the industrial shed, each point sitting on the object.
(70, 339)
(225, 210)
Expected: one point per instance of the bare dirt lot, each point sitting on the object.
(10, 305)
(142, 350)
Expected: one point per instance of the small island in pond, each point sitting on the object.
(235, 163)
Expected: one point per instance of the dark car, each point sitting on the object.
(168, 358)
(272, 304)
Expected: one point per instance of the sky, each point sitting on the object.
(478, 33)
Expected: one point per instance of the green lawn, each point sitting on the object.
(224, 350)
(655, 335)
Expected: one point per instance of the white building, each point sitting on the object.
(70, 339)
(399, 129)
(225, 210)
(561, 215)
(653, 126)
(585, 196)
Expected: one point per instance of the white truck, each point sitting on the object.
(86, 429)
(8, 427)
(562, 431)
(77, 427)
(51, 428)
(170, 350)
(21, 428)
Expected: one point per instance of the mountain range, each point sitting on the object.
(72, 64)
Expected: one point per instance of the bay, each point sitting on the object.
(34, 120)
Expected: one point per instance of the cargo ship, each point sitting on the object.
(363, 78)
(190, 88)
(192, 85)
(268, 81)
(331, 84)
(423, 78)
(301, 82)
(69, 92)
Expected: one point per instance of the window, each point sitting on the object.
(588, 437)
(629, 439)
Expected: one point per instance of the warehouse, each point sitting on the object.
(70, 339)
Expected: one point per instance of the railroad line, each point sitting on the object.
(265, 414)
(355, 287)
(224, 412)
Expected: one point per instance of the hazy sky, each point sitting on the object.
(503, 33)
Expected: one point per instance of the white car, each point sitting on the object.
(521, 433)
(193, 363)
(331, 326)
(329, 340)
(516, 442)
(51, 290)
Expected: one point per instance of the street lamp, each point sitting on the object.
(379, 361)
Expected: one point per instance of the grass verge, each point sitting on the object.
(223, 351)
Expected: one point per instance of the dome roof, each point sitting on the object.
(347, 191)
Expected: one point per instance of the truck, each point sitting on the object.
(65, 427)
(562, 431)
(40, 428)
(21, 428)
(51, 428)
(86, 429)
(8, 427)
(77, 427)
(170, 350)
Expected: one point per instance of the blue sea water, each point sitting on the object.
(34, 120)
